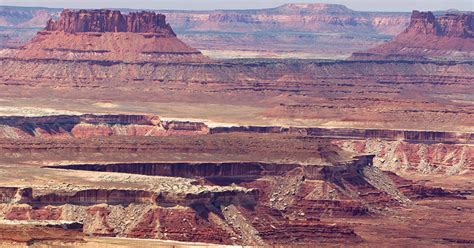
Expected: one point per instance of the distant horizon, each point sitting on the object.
(358, 5)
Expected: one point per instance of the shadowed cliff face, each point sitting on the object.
(422, 23)
(110, 21)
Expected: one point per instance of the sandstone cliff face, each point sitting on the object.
(422, 23)
(423, 152)
(416, 157)
(105, 35)
(457, 25)
(450, 25)
(110, 21)
(450, 36)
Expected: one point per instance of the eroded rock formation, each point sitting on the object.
(225, 205)
(110, 21)
(217, 200)
(107, 35)
(424, 152)
(450, 36)
(449, 25)
(86, 126)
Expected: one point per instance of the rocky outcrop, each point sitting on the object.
(28, 213)
(357, 174)
(423, 23)
(86, 126)
(105, 35)
(450, 36)
(449, 25)
(123, 197)
(450, 158)
(25, 233)
(225, 203)
(90, 125)
(10, 194)
(110, 21)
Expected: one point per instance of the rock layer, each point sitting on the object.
(423, 152)
(12, 127)
(86, 126)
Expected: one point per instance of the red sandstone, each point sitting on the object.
(450, 36)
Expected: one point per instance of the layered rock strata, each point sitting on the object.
(406, 151)
(110, 125)
(355, 133)
(423, 152)
(86, 126)
(363, 93)
(102, 21)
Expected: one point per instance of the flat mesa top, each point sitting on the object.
(77, 21)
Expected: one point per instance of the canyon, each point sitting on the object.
(297, 179)
(339, 93)
(115, 132)
(400, 151)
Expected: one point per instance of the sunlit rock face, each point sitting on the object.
(106, 35)
(110, 21)
(450, 36)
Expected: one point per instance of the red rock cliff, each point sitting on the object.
(108, 35)
(453, 25)
(450, 36)
(110, 21)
